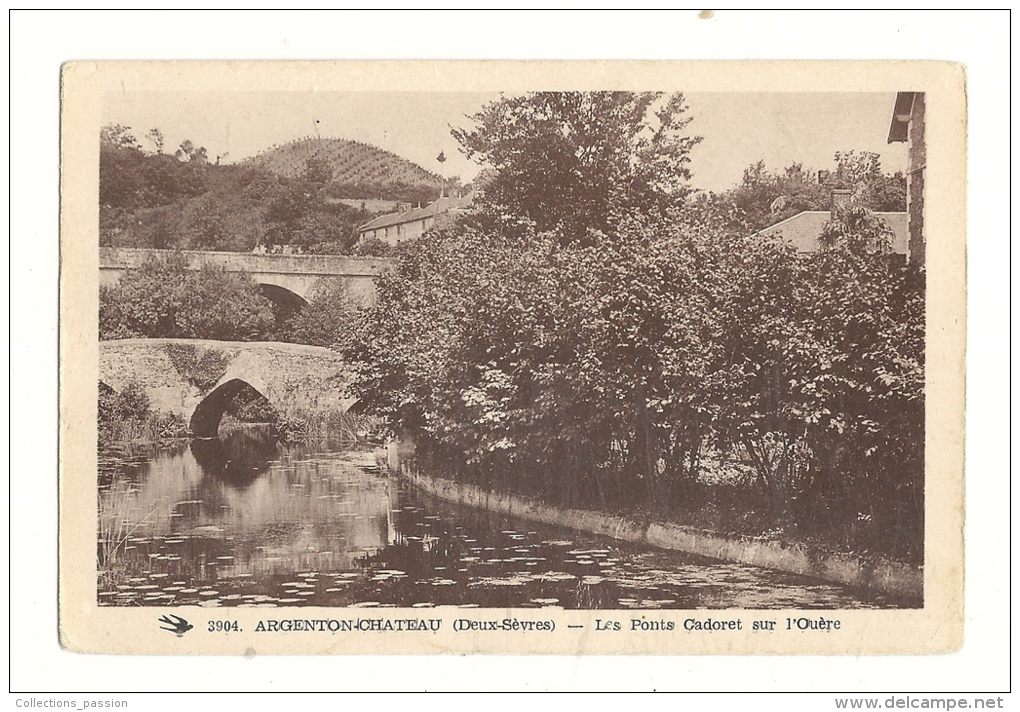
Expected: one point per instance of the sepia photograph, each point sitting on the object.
(552, 349)
(380, 358)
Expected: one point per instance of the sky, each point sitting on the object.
(738, 129)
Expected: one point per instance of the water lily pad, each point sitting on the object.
(554, 576)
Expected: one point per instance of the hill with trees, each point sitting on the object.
(297, 194)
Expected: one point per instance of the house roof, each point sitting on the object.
(898, 127)
(803, 229)
(414, 214)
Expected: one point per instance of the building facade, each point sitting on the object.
(908, 125)
(409, 223)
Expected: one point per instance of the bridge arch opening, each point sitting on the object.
(286, 304)
(237, 398)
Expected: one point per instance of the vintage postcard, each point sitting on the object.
(493, 357)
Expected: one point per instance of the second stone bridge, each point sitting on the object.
(288, 280)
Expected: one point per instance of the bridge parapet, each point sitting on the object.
(335, 265)
(297, 273)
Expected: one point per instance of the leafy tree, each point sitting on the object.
(889, 193)
(157, 138)
(862, 173)
(120, 156)
(329, 313)
(318, 170)
(286, 208)
(854, 227)
(117, 136)
(483, 179)
(865, 404)
(853, 224)
(190, 153)
(575, 162)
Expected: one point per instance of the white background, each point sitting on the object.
(40, 42)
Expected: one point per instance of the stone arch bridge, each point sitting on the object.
(196, 379)
(289, 281)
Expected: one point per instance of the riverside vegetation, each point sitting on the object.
(599, 334)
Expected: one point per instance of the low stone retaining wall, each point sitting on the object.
(894, 579)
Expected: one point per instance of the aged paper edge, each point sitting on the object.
(938, 627)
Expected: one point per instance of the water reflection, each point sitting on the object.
(238, 459)
(244, 521)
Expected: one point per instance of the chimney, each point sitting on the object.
(840, 196)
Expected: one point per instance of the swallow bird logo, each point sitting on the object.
(177, 624)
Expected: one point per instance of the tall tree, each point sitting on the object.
(575, 162)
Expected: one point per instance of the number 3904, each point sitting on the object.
(223, 626)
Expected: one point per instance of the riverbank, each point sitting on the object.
(876, 575)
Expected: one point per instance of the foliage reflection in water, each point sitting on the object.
(244, 521)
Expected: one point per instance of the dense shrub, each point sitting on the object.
(165, 299)
(127, 416)
(373, 247)
(604, 370)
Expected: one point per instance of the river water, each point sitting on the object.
(244, 521)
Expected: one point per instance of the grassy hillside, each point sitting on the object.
(351, 168)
